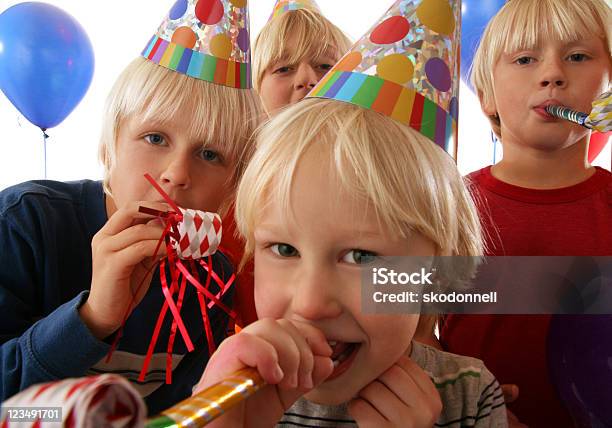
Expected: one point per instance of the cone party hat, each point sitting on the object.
(406, 67)
(283, 6)
(207, 40)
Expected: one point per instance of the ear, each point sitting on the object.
(488, 106)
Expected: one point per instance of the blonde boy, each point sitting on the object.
(292, 53)
(330, 190)
(74, 254)
(543, 197)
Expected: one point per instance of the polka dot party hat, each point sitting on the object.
(406, 67)
(205, 39)
(283, 6)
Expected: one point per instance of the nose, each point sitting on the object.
(316, 294)
(306, 77)
(176, 170)
(553, 74)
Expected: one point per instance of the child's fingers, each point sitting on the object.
(129, 215)
(240, 351)
(383, 400)
(311, 342)
(404, 392)
(130, 236)
(365, 414)
(322, 369)
(135, 253)
(510, 391)
(306, 357)
(398, 381)
(419, 377)
(294, 354)
(315, 338)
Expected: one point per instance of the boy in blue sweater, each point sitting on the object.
(74, 254)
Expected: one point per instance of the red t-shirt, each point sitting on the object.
(233, 247)
(572, 221)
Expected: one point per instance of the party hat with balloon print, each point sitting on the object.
(205, 39)
(283, 6)
(406, 67)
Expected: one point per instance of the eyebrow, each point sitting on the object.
(271, 229)
(152, 124)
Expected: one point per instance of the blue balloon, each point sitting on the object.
(475, 15)
(46, 62)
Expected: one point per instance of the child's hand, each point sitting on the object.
(403, 396)
(121, 260)
(291, 357)
(511, 393)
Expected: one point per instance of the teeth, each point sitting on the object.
(344, 355)
(336, 362)
(332, 343)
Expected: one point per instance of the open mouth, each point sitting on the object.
(343, 354)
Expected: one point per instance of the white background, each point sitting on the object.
(119, 31)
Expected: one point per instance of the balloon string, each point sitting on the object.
(494, 140)
(45, 136)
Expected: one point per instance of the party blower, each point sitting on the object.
(204, 407)
(600, 118)
(110, 400)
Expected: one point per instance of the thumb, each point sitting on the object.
(510, 391)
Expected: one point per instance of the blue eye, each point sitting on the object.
(578, 57)
(325, 67)
(524, 60)
(282, 70)
(359, 257)
(155, 139)
(284, 250)
(210, 155)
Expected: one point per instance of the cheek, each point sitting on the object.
(275, 89)
(270, 301)
(391, 336)
(212, 189)
(124, 187)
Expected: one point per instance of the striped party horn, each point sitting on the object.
(204, 407)
(600, 118)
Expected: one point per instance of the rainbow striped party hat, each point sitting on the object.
(283, 6)
(205, 39)
(406, 67)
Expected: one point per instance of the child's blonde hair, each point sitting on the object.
(311, 34)
(412, 184)
(149, 91)
(522, 24)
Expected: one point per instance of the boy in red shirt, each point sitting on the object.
(543, 198)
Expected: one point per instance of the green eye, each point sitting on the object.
(359, 257)
(284, 250)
